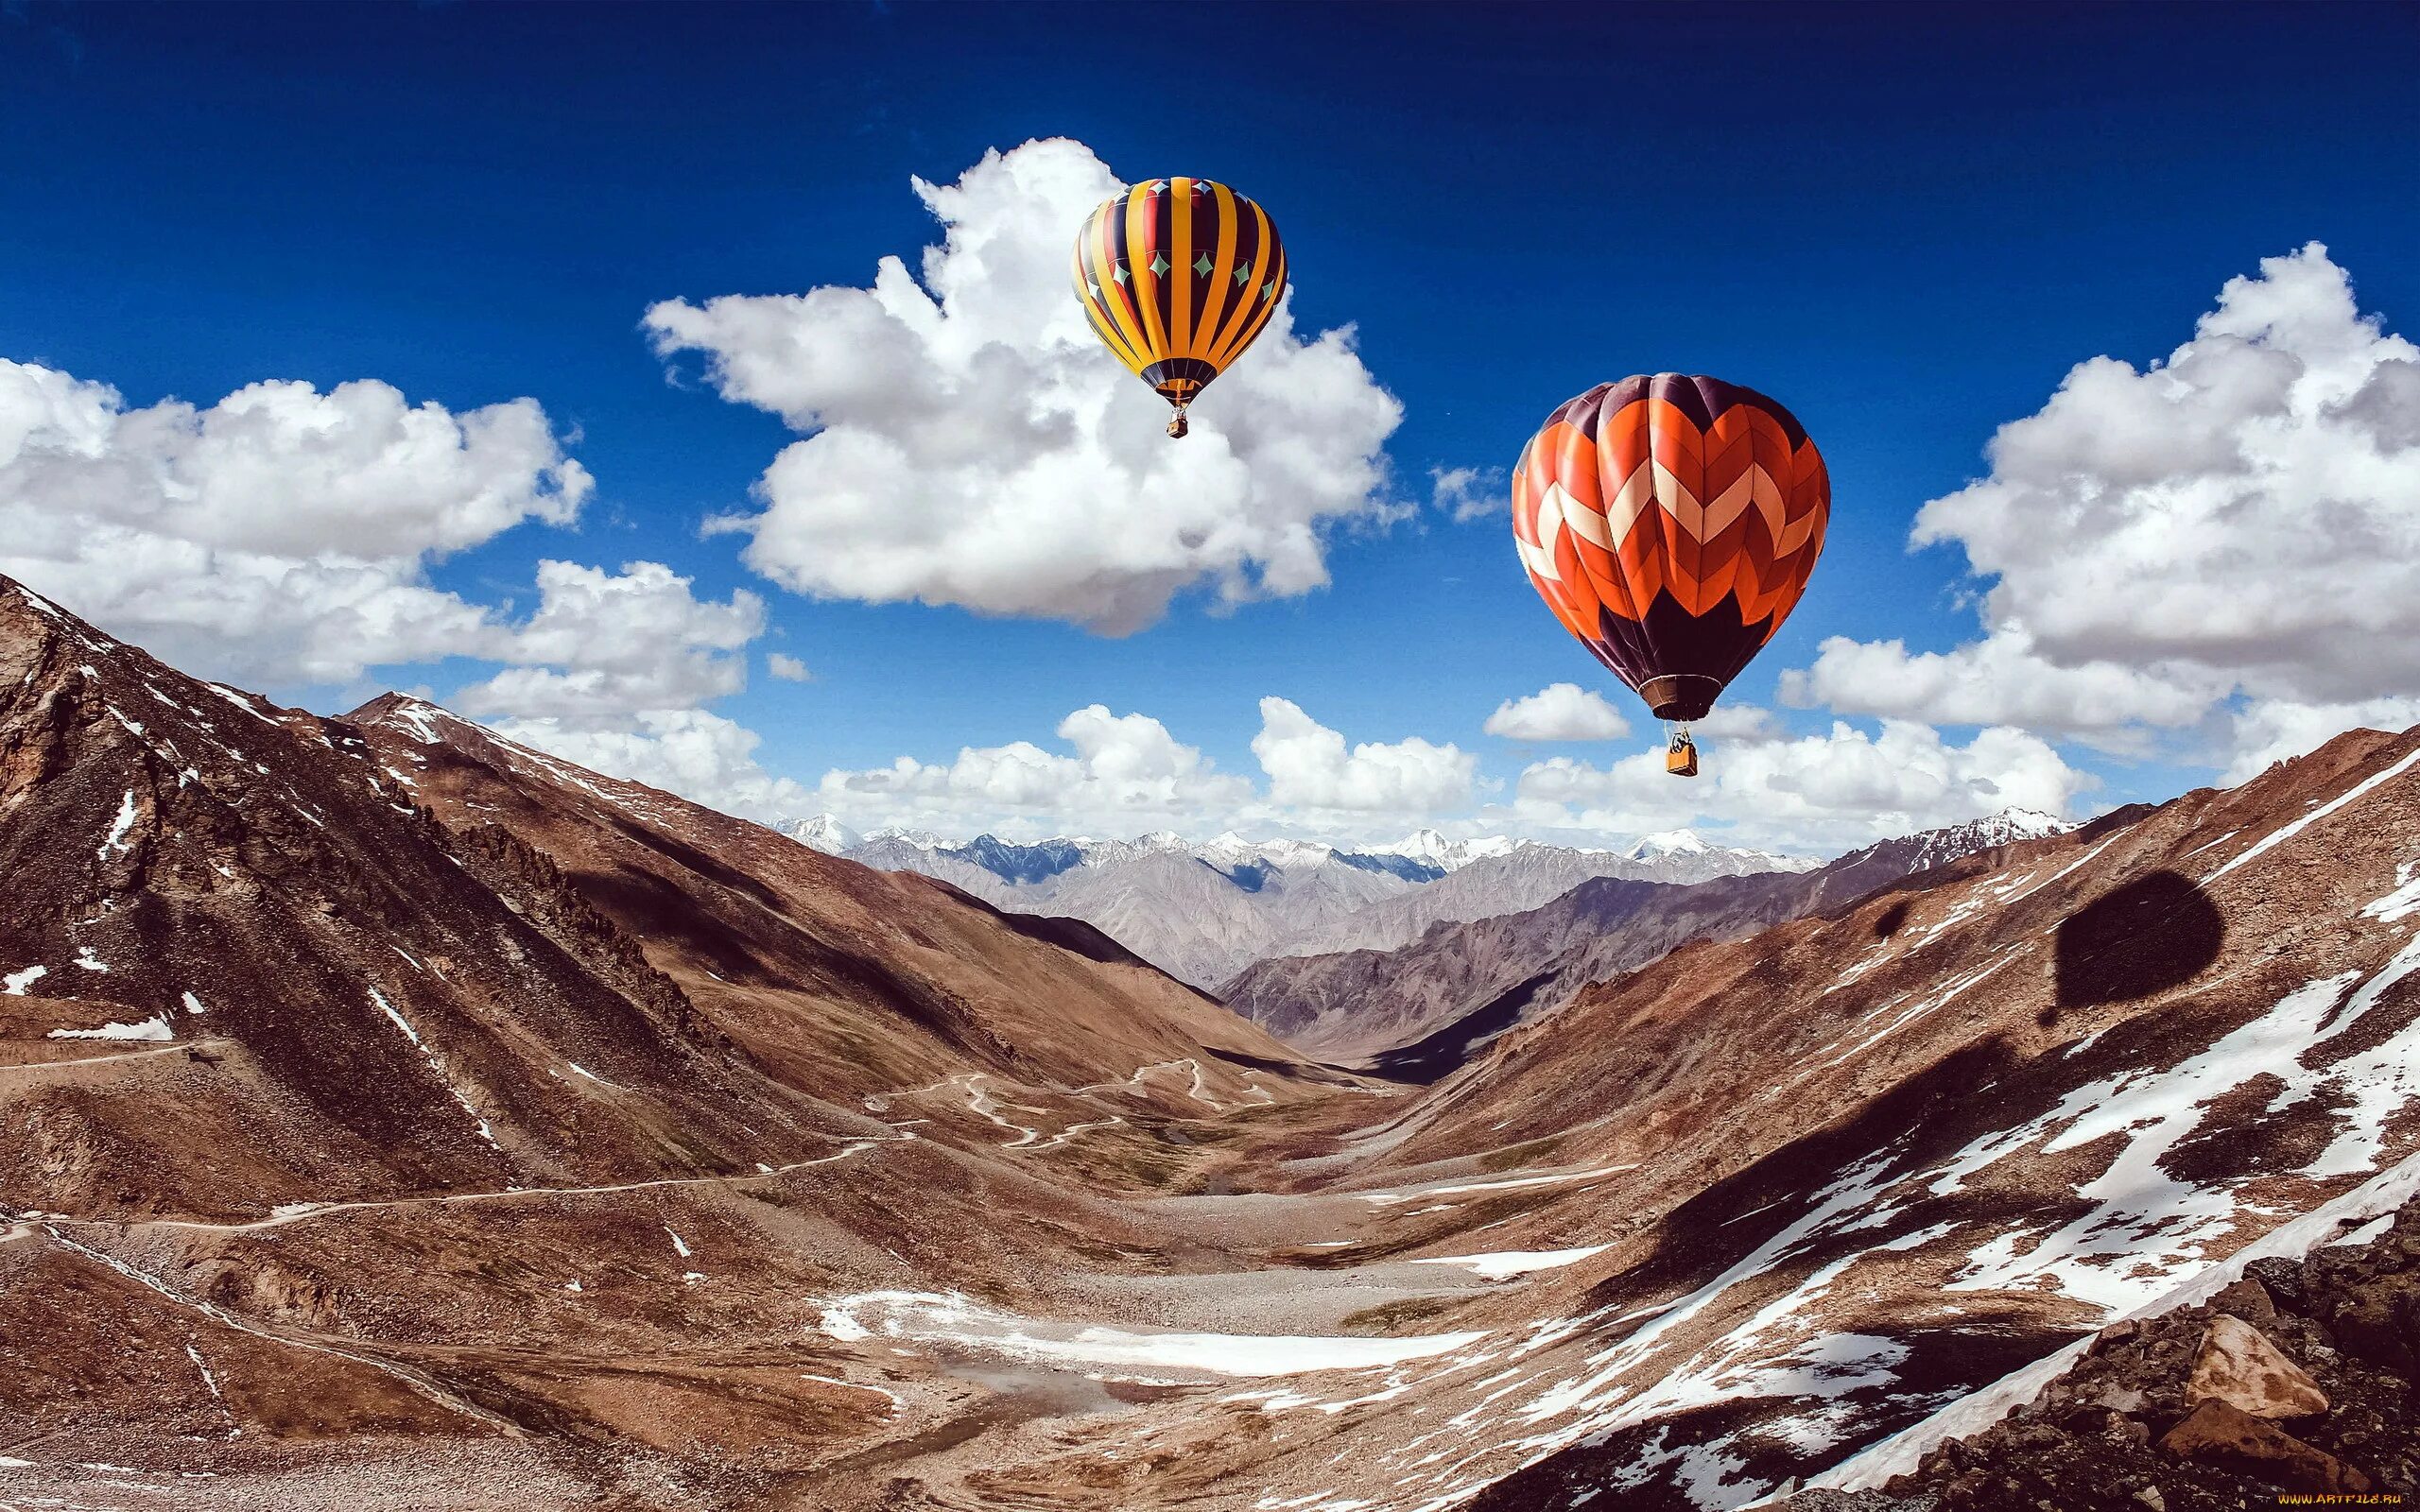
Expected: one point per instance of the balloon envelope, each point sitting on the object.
(1178, 276)
(1670, 523)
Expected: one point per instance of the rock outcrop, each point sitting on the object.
(2296, 1379)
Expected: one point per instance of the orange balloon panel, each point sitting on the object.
(1670, 523)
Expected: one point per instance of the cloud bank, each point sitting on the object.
(2223, 543)
(966, 440)
(282, 536)
(1820, 793)
(1561, 711)
(1126, 774)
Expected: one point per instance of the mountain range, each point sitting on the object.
(394, 1116)
(1206, 910)
(1422, 1008)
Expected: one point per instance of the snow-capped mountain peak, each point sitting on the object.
(1667, 843)
(915, 839)
(2026, 824)
(824, 833)
(1434, 849)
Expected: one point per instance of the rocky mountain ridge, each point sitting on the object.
(1205, 909)
(1422, 1008)
(2298, 1377)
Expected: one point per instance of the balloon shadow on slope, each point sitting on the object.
(2156, 933)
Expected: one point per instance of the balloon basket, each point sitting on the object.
(1681, 756)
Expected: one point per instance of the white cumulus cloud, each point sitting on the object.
(2002, 678)
(786, 667)
(1820, 794)
(700, 755)
(1468, 493)
(2225, 540)
(1561, 711)
(1309, 768)
(1121, 775)
(604, 646)
(284, 536)
(1128, 774)
(280, 534)
(2271, 730)
(966, 440)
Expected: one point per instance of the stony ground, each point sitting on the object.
(2297, 1379)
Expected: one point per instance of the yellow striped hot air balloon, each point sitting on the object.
(1178, 275)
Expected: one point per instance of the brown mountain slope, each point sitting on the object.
(359, 1084)
(808, 961)
(2297, 1376)
(1856, 1166)
(339, 998)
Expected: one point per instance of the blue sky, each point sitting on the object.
(1909, 225)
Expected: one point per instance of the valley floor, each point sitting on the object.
(1174, 1363)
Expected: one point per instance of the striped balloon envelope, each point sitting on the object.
(1670, 523)
(1178, 275)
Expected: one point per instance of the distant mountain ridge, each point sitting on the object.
(1203, 910)
(1420, 1008)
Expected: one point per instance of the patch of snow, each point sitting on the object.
(2072, 866)
(399, 1021)
(1388, 1200)
(90, 962)
(207, 1379)
(241, 701)
(437, 1067)
(1667, 843)
(2363, 1233)
(679, 1243)
(2401, 904)
(193, 1005)
(15, 983)
(153, 1028)
(2145, 1224)
(854, 1385)
(959, 1321)
(2281, 835)
(2378, 1197)
(1502, 1264)
(119, 826)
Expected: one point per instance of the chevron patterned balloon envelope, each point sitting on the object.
(1670, 522)
(1178, 276)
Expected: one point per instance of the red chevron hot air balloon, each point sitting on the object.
(1670, 523)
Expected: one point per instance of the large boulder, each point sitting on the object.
(2240, 1367)
(2219, 1434)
